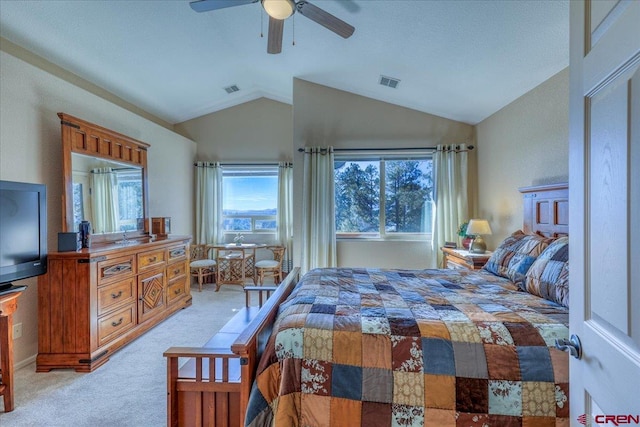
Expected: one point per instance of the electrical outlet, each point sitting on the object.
(17, 331)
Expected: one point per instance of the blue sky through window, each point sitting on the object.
(250, 193)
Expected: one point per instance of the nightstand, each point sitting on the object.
(461, 258)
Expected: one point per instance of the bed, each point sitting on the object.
(386, 347)
(389, 347)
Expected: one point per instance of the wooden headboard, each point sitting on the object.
(546, 209)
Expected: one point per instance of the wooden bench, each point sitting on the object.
(210, 385)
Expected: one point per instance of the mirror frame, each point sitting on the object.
(81, 137)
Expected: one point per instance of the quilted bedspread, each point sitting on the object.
(383, 347)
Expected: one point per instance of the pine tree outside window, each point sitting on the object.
(383, 198)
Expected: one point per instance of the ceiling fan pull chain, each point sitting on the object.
(293, 30)
(277, 12)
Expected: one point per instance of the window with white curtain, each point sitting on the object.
(250, 199)
(129, 198)
(387, 198)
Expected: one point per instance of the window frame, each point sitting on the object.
(250, 170)
(382, 234)
(123, 176)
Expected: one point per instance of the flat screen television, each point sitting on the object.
(23, 231)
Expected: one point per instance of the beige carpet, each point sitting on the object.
(130, 389)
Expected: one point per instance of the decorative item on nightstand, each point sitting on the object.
(478, 227)
(466, 237)
(161, 226)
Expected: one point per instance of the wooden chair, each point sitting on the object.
(271, 267)
(201, 264)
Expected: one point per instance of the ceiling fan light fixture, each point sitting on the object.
(279, 9)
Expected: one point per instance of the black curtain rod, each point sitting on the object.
(237, 164)
(248, 164)
(456, 147)
(116, 170)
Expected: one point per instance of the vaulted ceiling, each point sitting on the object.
(458, 59)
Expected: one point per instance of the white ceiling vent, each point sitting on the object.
(389, 82)
(232, 88)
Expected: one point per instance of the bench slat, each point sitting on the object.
(198, 351)
(208, 387)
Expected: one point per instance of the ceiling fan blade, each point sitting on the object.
(276, 27)
(207, 5)
(325, 19)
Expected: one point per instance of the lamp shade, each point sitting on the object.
(478, 227)
(279, 9)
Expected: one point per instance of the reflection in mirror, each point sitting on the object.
(107, 194)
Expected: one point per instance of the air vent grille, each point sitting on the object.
(389, 82)
(232, 89)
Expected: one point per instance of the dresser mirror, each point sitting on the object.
(105, 180)
(108, 194)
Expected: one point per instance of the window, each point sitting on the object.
(129, 199)
(383, 198)
(250, 199)
(78, 204)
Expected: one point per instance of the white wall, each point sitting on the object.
(256, 131)
(30, 151)
(323, 116)
(265, 130)
(525, 143)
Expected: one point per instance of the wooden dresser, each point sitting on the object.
(94, 301)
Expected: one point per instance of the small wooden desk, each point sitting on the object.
(8, 305)
(461, 258)
(235, 263)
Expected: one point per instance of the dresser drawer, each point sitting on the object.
(176, 270)
(116, 269)
(151, 259)
(176, 289)
(178, 253)
(456, 266)
(116, 294)
(113, 325)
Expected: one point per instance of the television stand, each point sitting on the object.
(9, 288)
(8, 305)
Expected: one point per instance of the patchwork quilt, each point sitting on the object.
(385, 347)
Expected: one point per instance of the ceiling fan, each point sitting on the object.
(278, 11)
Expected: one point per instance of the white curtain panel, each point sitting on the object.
(451, 206)
(208, 202)
(285, 213)
(104, 200)
(318, 210)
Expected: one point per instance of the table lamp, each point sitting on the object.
(478, 227)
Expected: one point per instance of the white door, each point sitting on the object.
(604, 185)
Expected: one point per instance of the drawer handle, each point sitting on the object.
(176, 271)
(177, 252)
(177, 291)
(115, 296)
(116, 269)
(152, 259)
(118, 323)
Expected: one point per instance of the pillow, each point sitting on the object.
(548, 277)
(515, 255)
